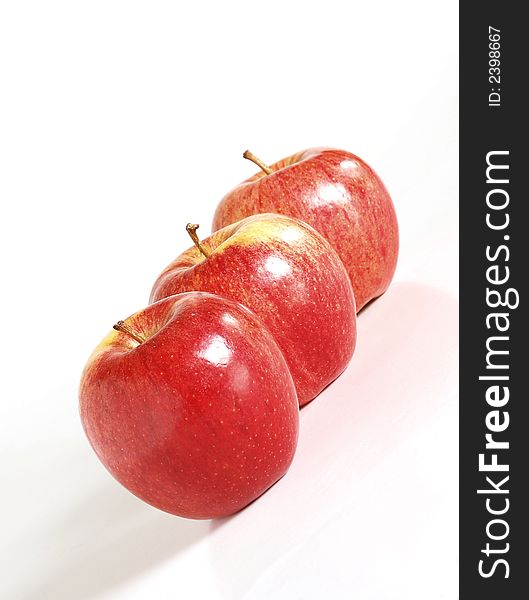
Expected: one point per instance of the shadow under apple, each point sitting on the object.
(107, 539)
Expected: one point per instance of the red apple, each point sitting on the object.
(189, 404)
(341, 197)
(284, 271)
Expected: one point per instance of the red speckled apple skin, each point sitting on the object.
(200, 419)
(341, 197)
(290, 276)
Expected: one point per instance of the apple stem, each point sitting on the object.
(192, 230)
(249, 156)
(124, 328)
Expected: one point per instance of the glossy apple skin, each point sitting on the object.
(341, 197)
(285, 272)
(200, 419)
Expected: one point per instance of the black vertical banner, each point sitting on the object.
(494, 258)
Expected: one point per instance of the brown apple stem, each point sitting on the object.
(249, 156)
(124, 328)
(192, 230)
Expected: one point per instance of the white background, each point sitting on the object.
(119, 123)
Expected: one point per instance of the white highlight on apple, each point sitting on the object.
(333, 193)
(277, 266)
(291, 234)
(217, 351)
(350, 165)
(228, 319)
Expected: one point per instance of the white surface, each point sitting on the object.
(119, 123)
